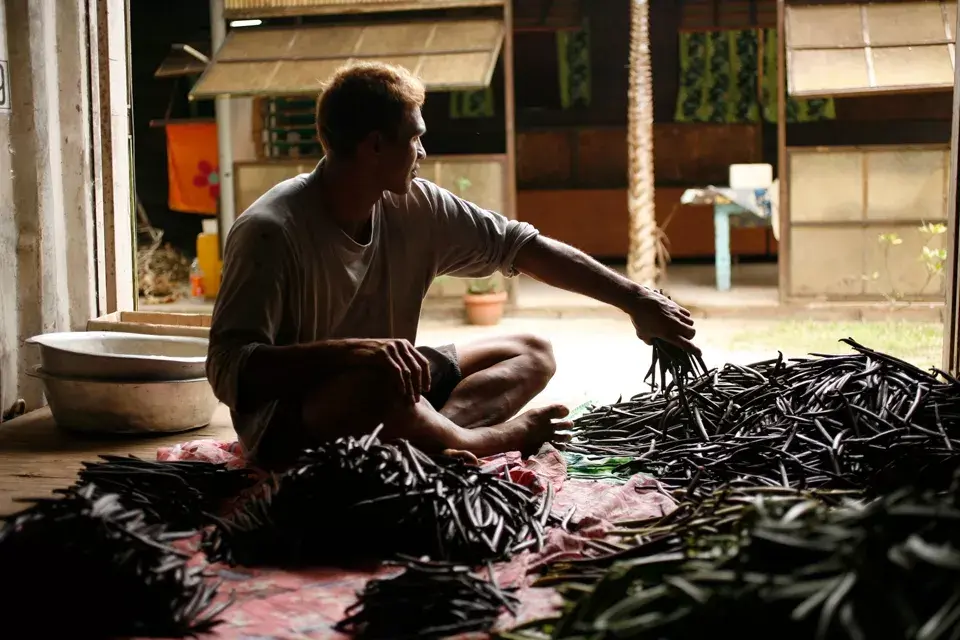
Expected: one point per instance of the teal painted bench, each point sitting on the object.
(732, 208)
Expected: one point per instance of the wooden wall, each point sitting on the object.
(571, 165)
(572, 185)
(572, 168)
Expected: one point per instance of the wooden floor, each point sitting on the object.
(36, 457)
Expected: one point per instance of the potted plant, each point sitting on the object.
(485, 297)
(484, 300)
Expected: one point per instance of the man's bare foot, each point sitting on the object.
(537, 426)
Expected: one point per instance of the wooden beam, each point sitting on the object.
(279, 9)
(951, 329)
(509, 121)
(783, 255)
(163, 122)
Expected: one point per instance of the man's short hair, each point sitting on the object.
(364, 97)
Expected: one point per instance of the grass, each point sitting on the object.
(917, 342)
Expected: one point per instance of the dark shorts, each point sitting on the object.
(286, 432)
(445, 373)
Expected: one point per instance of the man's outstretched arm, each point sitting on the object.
(565, 267)
(472, 242)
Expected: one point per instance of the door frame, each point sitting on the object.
(951, 328)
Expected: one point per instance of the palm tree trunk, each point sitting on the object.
(644, 240)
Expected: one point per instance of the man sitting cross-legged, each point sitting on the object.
(323, 281)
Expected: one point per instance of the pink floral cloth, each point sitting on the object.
(271, 604)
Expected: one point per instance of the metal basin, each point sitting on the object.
(108, 355)
(126, 408)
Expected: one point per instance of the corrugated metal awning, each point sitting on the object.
(857, 49)
(446, 55)
(274, 8)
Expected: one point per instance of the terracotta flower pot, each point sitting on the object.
(484, 308)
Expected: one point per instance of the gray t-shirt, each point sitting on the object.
(292, 276)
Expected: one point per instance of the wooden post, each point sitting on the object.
(783, 251)
(112, 155)
(951, 329)
(226, 204)
(642, 258)
(509, 120)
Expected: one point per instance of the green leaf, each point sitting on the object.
(933, 228)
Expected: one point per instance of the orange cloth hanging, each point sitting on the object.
(192, 167)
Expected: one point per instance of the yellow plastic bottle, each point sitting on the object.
(208, 258)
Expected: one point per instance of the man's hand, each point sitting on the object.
(397, 360)
(657, 316)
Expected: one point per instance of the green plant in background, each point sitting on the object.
(482, 286)
(463, 183)
(934, 260)
(477, 286)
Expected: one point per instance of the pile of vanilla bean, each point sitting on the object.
(428, 600)
(360, 499)
(84, 565)
(863, 420)
(182, 495)
(765, 460)
(352, 500)
(110, 541)
(775, 562)
(817, 499)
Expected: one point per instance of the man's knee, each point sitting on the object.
(539, 352)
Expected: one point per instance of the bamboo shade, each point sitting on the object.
(233, 9)
(870, 48)
(446, 55)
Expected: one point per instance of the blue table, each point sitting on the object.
(731, 207)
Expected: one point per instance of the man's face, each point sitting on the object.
(399, 158)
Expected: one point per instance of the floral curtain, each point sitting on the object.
(812, 110)
(472, 104)
(719, 71)
(573, 56)
(718, 77)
